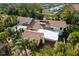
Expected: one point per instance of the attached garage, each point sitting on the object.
(50, 35)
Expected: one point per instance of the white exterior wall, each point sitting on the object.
(58, 29)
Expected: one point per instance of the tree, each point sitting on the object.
(24, 44)
(73, 38)
(72, 28)
(77, 49)
(35, 9)
(3, 8)
(32, 10)
(66, 14)
(76, 18)
(65, 49)
(10, 21)
(12, 10)
(2, 26)
(59, 49)
(3, 39)
(21, 10)
(49, 16)
(47, 50)
(3, 35)
(69, 50)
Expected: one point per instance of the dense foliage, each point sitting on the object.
(73, 38)
(66, 14)
(32, 10)
(47, 50)
(69, 14)
(14, 43)
(72, 28)
(10, 21)
(7, 21)
(2, 26)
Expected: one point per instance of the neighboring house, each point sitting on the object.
(52, 7)
(33, 35)
(56, 8)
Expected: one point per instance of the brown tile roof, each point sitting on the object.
(24, 20)
(50, 23)
(36, 26)
(57, 24)
(29, 34)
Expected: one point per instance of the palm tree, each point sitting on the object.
(5, 38)
(23, 43)
(17, 50)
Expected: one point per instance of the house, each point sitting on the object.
(51, 29)
(55, 9)
(23, 23)
(24, 20)
(29, 34)
(49, 24)
(49, 34)
(41, 29)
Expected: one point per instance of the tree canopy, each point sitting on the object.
(66, 14)
(73, 38)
